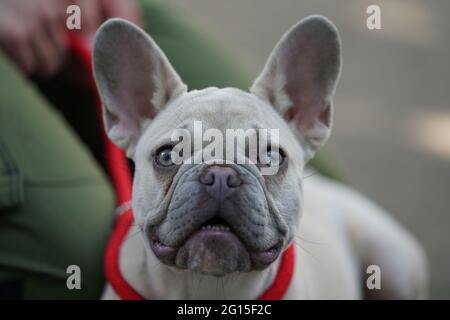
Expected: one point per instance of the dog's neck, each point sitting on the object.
(165, 282)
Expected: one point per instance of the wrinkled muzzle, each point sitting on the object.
(218, 222)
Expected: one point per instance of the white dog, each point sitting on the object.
(221, 230)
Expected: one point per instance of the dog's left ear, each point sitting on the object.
(135, 80)
(299, 79)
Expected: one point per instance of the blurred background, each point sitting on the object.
(391, 136)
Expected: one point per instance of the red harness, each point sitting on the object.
(120, 175)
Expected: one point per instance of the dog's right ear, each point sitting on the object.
(134, 78)
(300, 77)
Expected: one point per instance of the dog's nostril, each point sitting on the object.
(234, 181)
(207, 179)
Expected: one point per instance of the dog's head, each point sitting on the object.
(218, 217)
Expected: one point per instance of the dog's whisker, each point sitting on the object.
(156, 264)
(309, 241)
(306, 250)
(310, 175)
(200, 278)
(136, 225)
(217, 286)
(223, 289)
(132, 235)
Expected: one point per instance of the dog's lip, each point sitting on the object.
(260, 259)
(164, 252)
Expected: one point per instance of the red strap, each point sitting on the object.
(120, 175)
(112, 258)
(283, 278)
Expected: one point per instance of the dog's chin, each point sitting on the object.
(215, 252)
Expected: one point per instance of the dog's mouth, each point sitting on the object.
(214, 248)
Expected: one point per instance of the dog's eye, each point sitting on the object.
(164, 157)
(272, 157)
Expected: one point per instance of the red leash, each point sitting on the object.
(121, 178)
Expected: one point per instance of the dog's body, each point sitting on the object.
(218, 229)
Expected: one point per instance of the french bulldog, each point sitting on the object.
(218, 230)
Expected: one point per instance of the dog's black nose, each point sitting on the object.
(220, 181)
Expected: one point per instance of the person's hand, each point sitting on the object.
(33, 34)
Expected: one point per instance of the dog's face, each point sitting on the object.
(218, 217)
